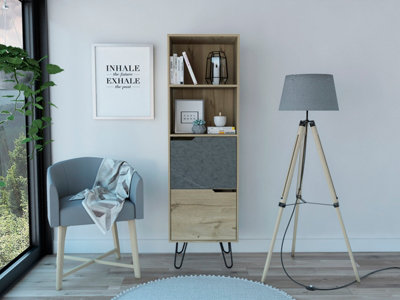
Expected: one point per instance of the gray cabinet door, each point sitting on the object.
(203, 163)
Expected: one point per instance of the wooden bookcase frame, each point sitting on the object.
(225, 98)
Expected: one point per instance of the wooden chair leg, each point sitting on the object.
(134, 246)
(62, 230)
(114, 230)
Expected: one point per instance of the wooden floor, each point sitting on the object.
(319, 269)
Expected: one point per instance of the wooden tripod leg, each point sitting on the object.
(299, 139)
(296, 220)
(271, 247)
(333, 196)
(302, 150)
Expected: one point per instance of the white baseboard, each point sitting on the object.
(305, 244)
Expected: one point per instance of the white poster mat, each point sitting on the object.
(123, 81)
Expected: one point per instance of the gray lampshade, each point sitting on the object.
(309, 92)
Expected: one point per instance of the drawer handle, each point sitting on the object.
(182, 138)
(224, 190)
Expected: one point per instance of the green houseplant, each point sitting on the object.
(22, 74)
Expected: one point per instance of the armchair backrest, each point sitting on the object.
(74, 175)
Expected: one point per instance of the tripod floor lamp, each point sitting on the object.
(307, 92)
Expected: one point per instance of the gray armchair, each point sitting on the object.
(69, 177)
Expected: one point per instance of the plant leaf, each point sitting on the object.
(27, 140)
(44, 57)
(13, 60)
(21, 74)
(33, 130)
(53, 69)
(33, 63)
(37, 123)
(48, 142)
(47, 84)
(21, 87)
(37, 138)
(38, 106)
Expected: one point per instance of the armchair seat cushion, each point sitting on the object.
(72, 212)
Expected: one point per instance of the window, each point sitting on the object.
(14, 204)
(23, 216)
(11, 23)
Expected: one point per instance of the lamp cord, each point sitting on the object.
(311, 287)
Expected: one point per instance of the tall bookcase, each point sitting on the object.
(203, 168)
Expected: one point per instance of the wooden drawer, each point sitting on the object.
(203, 215)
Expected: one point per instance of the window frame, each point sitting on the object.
(35, 40)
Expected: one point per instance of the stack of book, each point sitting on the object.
(221, 130)
(176, 68)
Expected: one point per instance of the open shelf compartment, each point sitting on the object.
(198, 47)
(215, 101)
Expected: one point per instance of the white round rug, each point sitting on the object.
(202, 287)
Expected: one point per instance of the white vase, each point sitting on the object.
(220, 121)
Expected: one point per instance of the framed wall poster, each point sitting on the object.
(187, 111)
(123, 81)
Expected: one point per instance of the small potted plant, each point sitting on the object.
(199, 126)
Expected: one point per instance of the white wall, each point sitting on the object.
(356, 40)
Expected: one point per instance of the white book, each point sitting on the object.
(222, 127)
(221, 130)
(189, 67)
(180, 70)
(171, 70)
(175, 71)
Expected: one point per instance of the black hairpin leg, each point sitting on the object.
(223, 252)
(177, 253)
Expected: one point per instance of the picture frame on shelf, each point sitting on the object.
(187, 111)
(123, 84)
